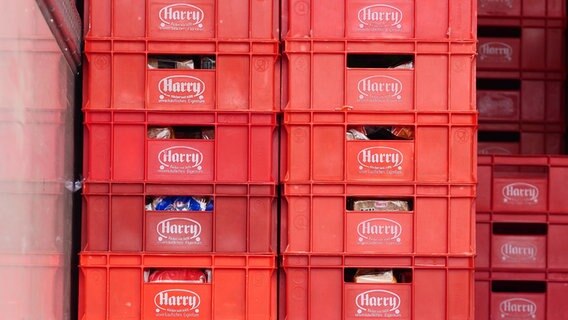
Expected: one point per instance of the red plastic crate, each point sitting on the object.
(34, 285)
(246, 76)
(522, 184)
(316, 288)
(528, 9)
(515, 245)
(538, 106)
(535, 48)
(529, 296)
(182, 19)
(535, 101)
(317, 148)
(316, 219)
(391, 19)
(117, 147)
(115, 219)
(112, 286)
(318, 76)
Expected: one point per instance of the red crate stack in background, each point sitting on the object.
(378, 159)
(521, 217)
(181, 107)
(522, 224)
(521, 76)
(521, 295)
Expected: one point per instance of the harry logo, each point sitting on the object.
(380, 16)
(181, 16)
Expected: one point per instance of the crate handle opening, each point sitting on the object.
(377, 275)
(380, 61)
(178, 275)
(369, 204)
(166, 133)
(184, 62)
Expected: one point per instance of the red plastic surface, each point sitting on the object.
(39, 225)
(550, 9)
(44, 92)
(537, 49)
(315, 288)
(182, 19)
(318, 77)
(537, 101)
(504, 186)
(508, 252)
(499, 148)
(530, 143)
(112, 286)
(43, 158)
(243, 219)
(391, 19)
(24, 19)
(246, 76)
(443, 149)
(549, 304)
(33, 104)
(33, 281)
(117, 147)
(315, 219)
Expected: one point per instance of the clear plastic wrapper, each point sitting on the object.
(181, 133)
(405, 65)
(207, 63)
(180, 203)
(161, 133)
(168, 63)
(405, 133)
(380, 205)
(374, 276)
(380, 133)
(208, 134)
(177, 275)
(354, 134)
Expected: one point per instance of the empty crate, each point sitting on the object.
(517, 47)
(522, 184)
(520, 296)
(515, 242)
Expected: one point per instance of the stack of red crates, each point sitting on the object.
(522, 211)
(522, 231)
(220, 99)
(340, 73)
(520, 78)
